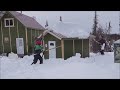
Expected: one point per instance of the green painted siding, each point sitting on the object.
(29, 41)
(33, 37)
(49, 37)
(85, 48)
(13, 31)
(31, 46)
(0, 40)
(78, 47)
(14, 35)
(68, 49)
(6, 34)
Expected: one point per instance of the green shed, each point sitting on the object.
(60, 46)
(17, 32)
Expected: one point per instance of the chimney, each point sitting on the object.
(60, 18)
(46, 23)
(34, 17)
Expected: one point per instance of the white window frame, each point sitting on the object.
(9, 22)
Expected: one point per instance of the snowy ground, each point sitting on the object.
(94, 67)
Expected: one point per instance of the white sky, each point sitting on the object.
(84, 18)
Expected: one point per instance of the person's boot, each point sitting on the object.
(32, 63)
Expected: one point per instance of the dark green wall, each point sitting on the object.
(0, 39)
(85, 48)
(78, 47)
(31, 45)
(49, 37)
(68, 49)
(21, 30)
(6, 34)
(29, 41)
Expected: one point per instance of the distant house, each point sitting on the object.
(15, 25)
(65, 42)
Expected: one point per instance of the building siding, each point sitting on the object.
(68, 49)
(1, 47)
(49, 37)
(85, 48)
(14, 35)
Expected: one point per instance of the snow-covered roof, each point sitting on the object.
(70, 30)
(57, 35)
(118, 41)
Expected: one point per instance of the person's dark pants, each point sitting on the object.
(102, 52)
(36, 57)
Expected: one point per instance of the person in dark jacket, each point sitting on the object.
(102, 44)
(37, 50)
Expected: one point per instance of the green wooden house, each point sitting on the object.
(60, 46)
(18, 29)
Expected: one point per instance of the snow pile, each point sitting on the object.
(13, 56)
(70, 30)
(118, 41)
(95, 67)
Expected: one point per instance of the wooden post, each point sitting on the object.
(10, 39)
(2, 37)
(89, 45)
(26, 40)
(62, 48)
(31, 36)
(82, 48)
(73, 47)
(17, 30)
(35, 33)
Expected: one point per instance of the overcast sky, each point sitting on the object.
(84, 18)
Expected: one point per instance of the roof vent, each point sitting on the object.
(51, 30)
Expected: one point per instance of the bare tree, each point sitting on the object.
(94, 33)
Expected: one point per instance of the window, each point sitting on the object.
(51, 44)
(20, 42)
(9, 22)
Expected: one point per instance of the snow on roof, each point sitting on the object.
(70, 30)
(118, 41)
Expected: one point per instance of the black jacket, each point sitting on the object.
(102, 41)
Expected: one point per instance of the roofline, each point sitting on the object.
(76, 38)
(35, 28)
(21, 22)
(52, 34)
(3, 15)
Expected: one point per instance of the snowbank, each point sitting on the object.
(118, 41)
(95, 67)
(13, 56)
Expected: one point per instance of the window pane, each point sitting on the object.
(11, 22)
(51, 44)
(7, 22)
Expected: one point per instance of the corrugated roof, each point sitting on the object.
(27, 21)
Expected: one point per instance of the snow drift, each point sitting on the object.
(94, 67)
